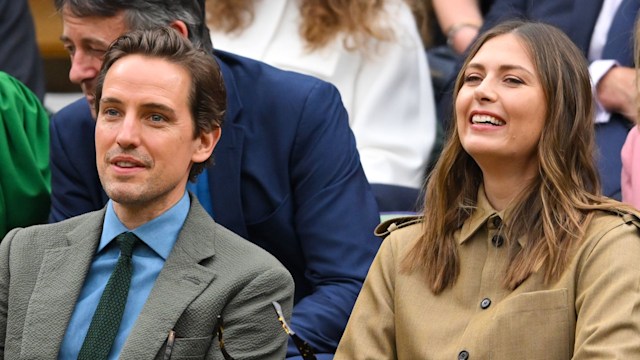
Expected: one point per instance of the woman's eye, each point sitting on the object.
(472, 78)
(514, 80)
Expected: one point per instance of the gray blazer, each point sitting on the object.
(210, 271)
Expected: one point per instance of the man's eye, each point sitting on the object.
(71, 50)
(111, 112)
(97, 52)
(156, 118)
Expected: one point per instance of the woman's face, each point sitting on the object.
(501, 106)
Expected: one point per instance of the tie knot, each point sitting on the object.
(127, 241)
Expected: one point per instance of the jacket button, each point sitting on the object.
(463, 355)
(497, 221)
(497, 240)
(485, 303)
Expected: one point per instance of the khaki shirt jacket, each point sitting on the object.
(591, 312)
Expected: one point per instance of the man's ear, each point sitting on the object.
(207, 143)
(181, 27)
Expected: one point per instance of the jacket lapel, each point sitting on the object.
(224, 175)
(60, 279)
(180, 281)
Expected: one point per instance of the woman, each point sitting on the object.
(519, 256)
(372, 52)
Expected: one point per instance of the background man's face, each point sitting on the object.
(144, 133)
(86, 40)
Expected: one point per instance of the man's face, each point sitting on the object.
(86, 39)
(144, 134)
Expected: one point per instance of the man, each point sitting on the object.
(287, 175)
(159, 103)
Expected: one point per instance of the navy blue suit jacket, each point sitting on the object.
(577, 19)
(19, 54)
(287, 176)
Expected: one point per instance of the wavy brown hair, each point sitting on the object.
(322, 20)
(552, 213)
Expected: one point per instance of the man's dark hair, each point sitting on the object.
(207, 96)
(147, 14)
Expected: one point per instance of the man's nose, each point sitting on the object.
(129, 132)
(83, 68)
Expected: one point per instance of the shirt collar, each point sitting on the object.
(479, 217)
(160, 234)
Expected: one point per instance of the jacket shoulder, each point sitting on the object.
(388, 226)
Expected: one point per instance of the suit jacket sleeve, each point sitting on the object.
(330, 189)
(251, 328)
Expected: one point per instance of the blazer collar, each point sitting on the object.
(61, 276)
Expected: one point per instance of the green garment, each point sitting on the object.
(25, 177)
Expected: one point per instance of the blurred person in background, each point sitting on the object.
(19, 53)
(372, 52)
(25, 177)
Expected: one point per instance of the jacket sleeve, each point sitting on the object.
(335, 215)
(370, 333)
(608, 297)
(251, 327)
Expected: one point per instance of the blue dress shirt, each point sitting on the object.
(159, 236)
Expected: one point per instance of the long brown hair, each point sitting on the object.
(552, 213)
(322, 20)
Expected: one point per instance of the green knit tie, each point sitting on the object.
(106, 320)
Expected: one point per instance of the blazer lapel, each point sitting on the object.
(180, 281)
(60, 279)
(224, 175)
